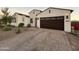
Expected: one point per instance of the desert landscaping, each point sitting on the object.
(50, 35)
(34, 39)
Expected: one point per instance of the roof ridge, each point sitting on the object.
(35, 9)
(21, 14)
(56, 8)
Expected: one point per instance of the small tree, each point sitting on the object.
(5, 11)
(9, 20)
(6, 19)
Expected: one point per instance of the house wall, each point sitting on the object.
(54, 13)
(33, 16)
(19, 19)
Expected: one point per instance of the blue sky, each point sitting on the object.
(25, 10)
(75, 14)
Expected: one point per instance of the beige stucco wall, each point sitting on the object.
(54, 13)
(33, 14)
(19, 19)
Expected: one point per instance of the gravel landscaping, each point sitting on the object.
(7, 34)
(74, 41)
(35, 39)
(4, 35)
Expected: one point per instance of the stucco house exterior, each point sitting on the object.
(33, 16)
(51, 18)
(20, 18)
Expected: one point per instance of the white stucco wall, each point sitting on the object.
(19, 19)
(33, 14)
(54, 13)
(67, 24)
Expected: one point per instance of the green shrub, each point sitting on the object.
(1, 26)
(29, 25)
(21, 25)
(10, 25)
(7, 29)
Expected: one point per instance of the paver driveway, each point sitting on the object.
(37, 40)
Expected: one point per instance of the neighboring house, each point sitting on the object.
(20, 18)
(52, 18)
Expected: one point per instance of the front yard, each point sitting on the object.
(74, 41)
(35, 39)
(4, 35)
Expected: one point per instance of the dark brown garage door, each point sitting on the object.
(52, 23)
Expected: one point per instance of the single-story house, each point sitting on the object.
(20, 18)
(51, 18)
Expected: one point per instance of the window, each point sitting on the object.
(49, 11)
(67, 17)
(31, 20)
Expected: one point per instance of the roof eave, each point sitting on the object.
(71, 11)
(56, 8)
(21, 14)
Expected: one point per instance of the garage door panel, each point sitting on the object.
(52, 23)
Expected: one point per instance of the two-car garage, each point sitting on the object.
(52, 18)
(52, 22)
